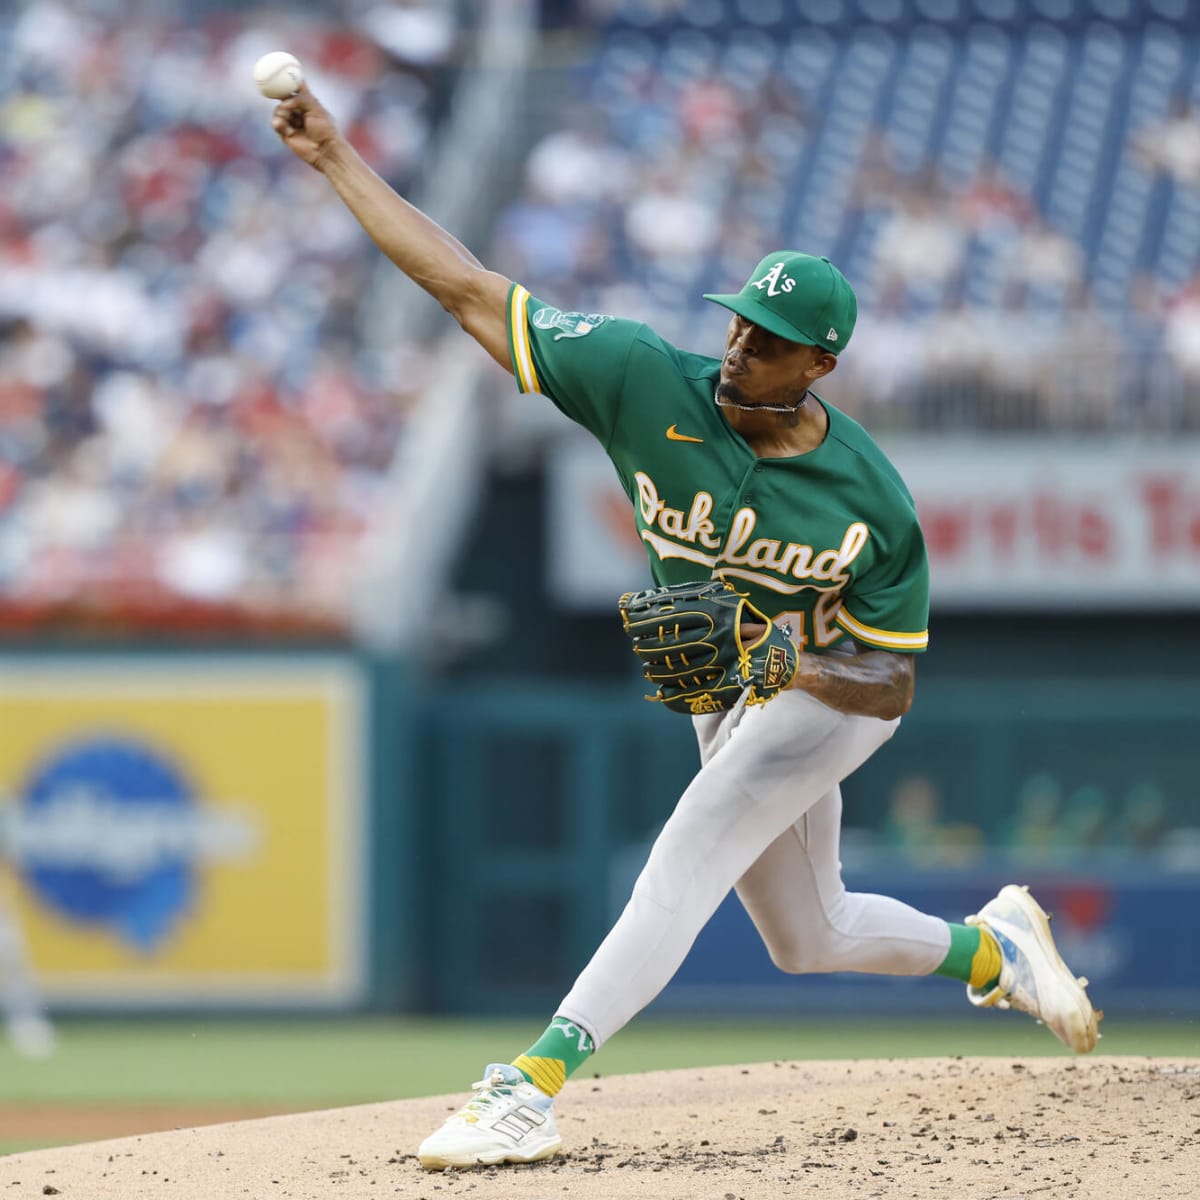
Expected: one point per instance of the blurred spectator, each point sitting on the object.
(1084, 822)
(542, 243)
(578, 165)
(1083, 377)
(183, 420)
(556, 237)
(914, 828)
(991, 205)
(709, 111)
(1142, 824)
(1016, 346)
(1181, 341)
(921, 245)
(955, 361)
(1032, 833)
(669, 225)
(1173, 145)
(419, 34)
(891, 363)
(1046, 262)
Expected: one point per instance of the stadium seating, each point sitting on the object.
(193, 428)
(1053, 146)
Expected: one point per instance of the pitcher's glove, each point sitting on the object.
(689, 640)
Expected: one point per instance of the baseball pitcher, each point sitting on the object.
(792, 601)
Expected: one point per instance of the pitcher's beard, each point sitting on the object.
(729, 395)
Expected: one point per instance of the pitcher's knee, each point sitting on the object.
(789, 959)
(796, 958)
(815, 953)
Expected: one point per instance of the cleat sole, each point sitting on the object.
(1079, 1018)
(440, 1162)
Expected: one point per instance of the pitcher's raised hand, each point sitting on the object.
(305, 126)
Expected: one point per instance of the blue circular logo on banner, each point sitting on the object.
(106, 833)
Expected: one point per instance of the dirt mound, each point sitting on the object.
(1058, 1129)
(69, 1123)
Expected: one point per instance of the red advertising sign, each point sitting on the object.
(1009, 522)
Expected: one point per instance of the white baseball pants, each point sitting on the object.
(763, 815)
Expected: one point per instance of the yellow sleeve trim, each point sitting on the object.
(885, 638)
(518, 325)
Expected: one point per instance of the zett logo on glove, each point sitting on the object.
(776, 668)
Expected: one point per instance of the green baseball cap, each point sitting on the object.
(797, 297)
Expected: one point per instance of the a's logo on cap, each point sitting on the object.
(831, 336)
(771, 281)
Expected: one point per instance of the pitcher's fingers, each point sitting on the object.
(300, 100)
(294, 104)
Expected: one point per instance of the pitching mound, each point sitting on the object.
(1054, 1128)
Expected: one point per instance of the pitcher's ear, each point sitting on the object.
(824, 364)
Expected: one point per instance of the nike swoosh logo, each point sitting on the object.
(673, 435)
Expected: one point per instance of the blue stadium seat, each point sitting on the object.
(821, 12)
(996, 10)
(1053, 10)
(1179, 249)
(1173, 10)
(761, 13)
(1113, 10)
(946, 11)
(883, 12)
(1050, 91)
(704, 14)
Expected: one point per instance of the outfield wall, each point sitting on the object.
(546, 800)
(315, 829)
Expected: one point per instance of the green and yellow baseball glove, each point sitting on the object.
(696, 652)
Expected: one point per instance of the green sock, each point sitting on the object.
(974, 956)
(562, 1049)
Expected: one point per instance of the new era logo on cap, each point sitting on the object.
(831, 336)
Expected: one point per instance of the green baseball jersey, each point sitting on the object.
(828, 540)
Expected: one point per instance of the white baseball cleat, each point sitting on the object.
(1033, 977)
(508, 1120)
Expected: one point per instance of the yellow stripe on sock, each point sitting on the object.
(986, 961)
(549, 1074)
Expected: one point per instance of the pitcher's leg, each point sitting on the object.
(810, 923)
(780, 760)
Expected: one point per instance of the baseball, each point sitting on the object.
(278, 74)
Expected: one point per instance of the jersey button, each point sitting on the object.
(748, 499)
(758, 466)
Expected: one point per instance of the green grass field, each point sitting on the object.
(295, 1063)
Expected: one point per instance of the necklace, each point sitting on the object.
(776, 408)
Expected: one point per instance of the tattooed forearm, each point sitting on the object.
(871, 683)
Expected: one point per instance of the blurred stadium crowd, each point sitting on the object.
(192, 427)
(1048, 824)
(193, 420)
(1013, 188)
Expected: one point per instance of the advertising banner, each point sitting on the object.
(185, 830)
(1010, 522)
